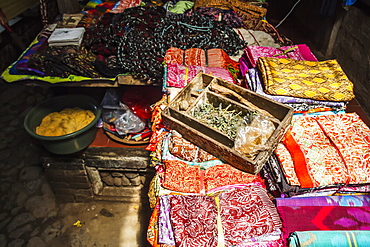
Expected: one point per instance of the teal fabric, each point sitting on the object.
(360, 238)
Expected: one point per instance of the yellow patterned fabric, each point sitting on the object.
(323, 80)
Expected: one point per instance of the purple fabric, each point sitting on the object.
(254, 84)
(165, 233)
(298, 52)
(21, 66)
(344, 201)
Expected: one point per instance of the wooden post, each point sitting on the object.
(68, 6)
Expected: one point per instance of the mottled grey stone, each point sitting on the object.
(136, 181)
(131, 175)
(35, 231)
(47, 191)
(52, 232)
(22, 198)
(5, 186)
(30, 99)
(3, 215)
(117, 174)
(32, 186)
(5, 154)
(4, 222)
(11, 93)
(15, 122)
(3, 240)
(19, 220)
(117, 181)
(30, 172)
(36, 242)
(16, 210)
(6, 119)
(40, 206)
(16, 243)
(20, 231)
(143, 179)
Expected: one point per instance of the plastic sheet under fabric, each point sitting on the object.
(297, 52)
(179, 76)
(335, 150)
(323, 80)
(330, 239)
(255, 84)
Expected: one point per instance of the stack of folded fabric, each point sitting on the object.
(198, 200)
(183, 65)
(292, 75)
(330, 152)
(325, 220)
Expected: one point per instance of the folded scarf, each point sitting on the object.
(177, 75)
(305, 79)
(195, 56)
(255, 84)
(296, 52)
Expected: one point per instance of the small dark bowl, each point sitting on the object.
(70, 143)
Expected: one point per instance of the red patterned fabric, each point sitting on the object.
(185, 178)
(221, 175)
(181, 177)
(194, 221)
(247, 213)
(195, 56)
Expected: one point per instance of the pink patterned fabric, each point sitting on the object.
(177, 75)
(246, 214)
(194, 221)
(301, 52)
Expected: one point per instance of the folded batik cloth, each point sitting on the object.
(181, 177)
(254, 83)
(177, 75)
(296, 52)
(194, 220)
(329, 238)
(246, 214)
(305, 79)
(195, 56)
(326, 150)
(237, 217)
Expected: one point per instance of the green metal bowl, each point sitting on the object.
(66, 144)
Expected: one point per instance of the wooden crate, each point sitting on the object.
(177, 116)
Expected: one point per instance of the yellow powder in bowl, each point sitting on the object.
(67, 121)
